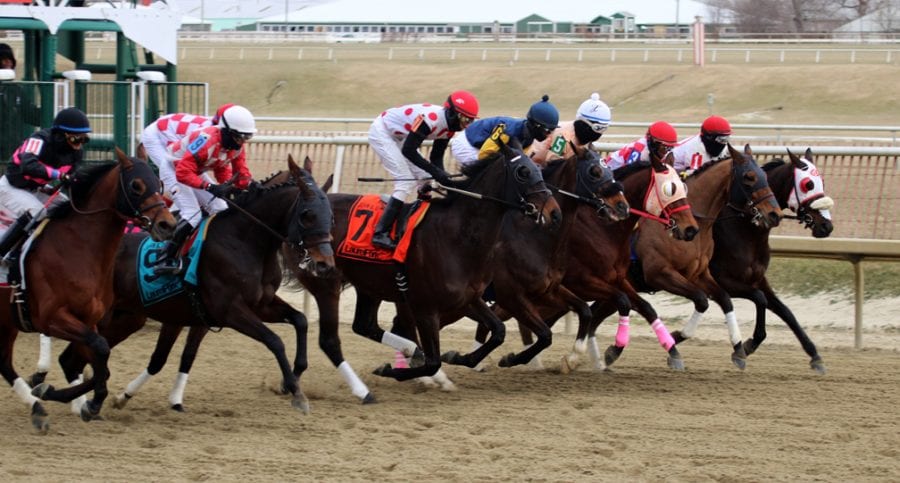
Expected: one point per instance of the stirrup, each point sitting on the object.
(384, 241)
(169, 267)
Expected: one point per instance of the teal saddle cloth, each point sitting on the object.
(156, 288)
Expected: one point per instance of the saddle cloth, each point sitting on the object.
(364, 215)
(156, 288)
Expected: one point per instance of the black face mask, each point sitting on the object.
(584, 133)
(712, 147)
(228, 141)
(537, 132)
(453, 120)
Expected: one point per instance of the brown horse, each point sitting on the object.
(447, 268)
(736, 185)
(599, 257)
(238, 273)
(68, 276)
(742, 253)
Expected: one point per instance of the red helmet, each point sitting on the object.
(716, 125)
(463, 102)
(662, 132)
(221, 110)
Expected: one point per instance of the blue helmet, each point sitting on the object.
(544, 114)
(72, 120)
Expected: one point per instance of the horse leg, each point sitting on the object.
(327, 293)
(39, 418)
(481, 313)
(280, 311)
(721, 297)
(99, 359)
(168, 334)
(665, 339)
(43, 365)
(429, 334)
(781, 310)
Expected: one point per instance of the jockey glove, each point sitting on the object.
(219, 190)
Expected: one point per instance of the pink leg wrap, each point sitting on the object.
(400, 361)
(665, 338)
(622, 332)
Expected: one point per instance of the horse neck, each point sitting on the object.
(273, 209)
(708, 192)
(781, 181)
(565, 178)
(635, 190)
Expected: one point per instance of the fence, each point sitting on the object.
(24, 107)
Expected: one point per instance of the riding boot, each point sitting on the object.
(169, 263)
(14, 234)
(382, 237)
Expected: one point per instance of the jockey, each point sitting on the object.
(591, 121)
(483, 138)
(167, 129)
(708, 145)
(396, 136)
(660, 138)
(219, 149)
(47, 155)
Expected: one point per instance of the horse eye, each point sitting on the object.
(807, 185)
(137, 186)
(523, 173)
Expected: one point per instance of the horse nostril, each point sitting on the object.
(690, 232)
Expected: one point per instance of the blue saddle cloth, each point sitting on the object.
(156, 288)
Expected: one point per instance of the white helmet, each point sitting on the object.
(594, 112)
(238, 118)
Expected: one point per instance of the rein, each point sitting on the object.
(259, 222)
(137, 214)
(592, 202)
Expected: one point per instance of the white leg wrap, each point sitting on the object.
(440, 377)
(580, 346)
(594, 351)
(734, 332)
(134, 386)
(357, 387)
(43, 364)
(79, 401)
(176, 395)
(406, 346)
(20, 387)
(691, 326)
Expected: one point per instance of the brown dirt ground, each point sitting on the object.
(777, 421)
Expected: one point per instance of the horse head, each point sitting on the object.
(666, 199)
(525, 184)
(750, 193)
(807, 198)
(140, 197)
(311, 222)
(595, 182)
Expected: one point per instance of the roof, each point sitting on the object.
(480, 12)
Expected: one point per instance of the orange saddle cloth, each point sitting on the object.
(364, 216)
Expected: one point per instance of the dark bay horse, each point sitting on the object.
(742, 253)
(733, 186)
(600, 254)
(530, 262)
(239, 273)
(447, 268)
(68, 274)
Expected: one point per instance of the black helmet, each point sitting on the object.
(6, 52)
(71, 119)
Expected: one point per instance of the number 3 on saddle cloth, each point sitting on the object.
(156, 288)
(364, 215)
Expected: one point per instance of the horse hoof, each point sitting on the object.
(738, 357)
(88, 414)
(39, 418)
(36, 379)
(384, 370)
(749, 346)
(568, 363)
(612, 354)
(450, 357)
(417, 359)
(300, 402)
(679, 337)
(41, 390)
(369, 399)
(818, 365)
(507, 360)
(121, 400)
(177, 407)
(676, 364)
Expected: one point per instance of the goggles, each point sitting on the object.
(241, 136)
(597, 127)
(723, 139)
(464, 119)
(78, 139)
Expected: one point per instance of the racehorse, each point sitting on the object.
(238, 274)
(447, 267)
(742, 253)
(68, 273)
(599, 257)
(737, 186)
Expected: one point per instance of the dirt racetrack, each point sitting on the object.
(777, 421)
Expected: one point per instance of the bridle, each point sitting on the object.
(667, 212)
(124, 202)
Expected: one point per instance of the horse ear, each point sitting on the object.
(291, 159)
(142, 152)
(123, 158)
(747, 149)
(308, 165)
(795, 160)
(326, 186)
(809, 155)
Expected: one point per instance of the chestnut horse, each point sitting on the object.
(600, 254)
(447, 268)
(68, 273)
(732, 186)
(742, 253)
(238, 274)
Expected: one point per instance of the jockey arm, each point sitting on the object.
(28, 160)
(239, 165)
(411, 146)
(187, 168)
(492, 144)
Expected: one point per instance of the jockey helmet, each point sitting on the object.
(716, 125)
(544, 114)
(239, 119)
(662, 132)
(595, 113)
(464, 103)
(221, 110)
(71, 120)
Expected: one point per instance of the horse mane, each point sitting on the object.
(553, 166)
(773, 164)
(623, 172)
(86, 178)
(257, 190)
(707, 166)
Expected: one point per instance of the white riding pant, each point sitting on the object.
(189, 200)
(463, 150)
(155, 144)
(407, 176)
(18, 201)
